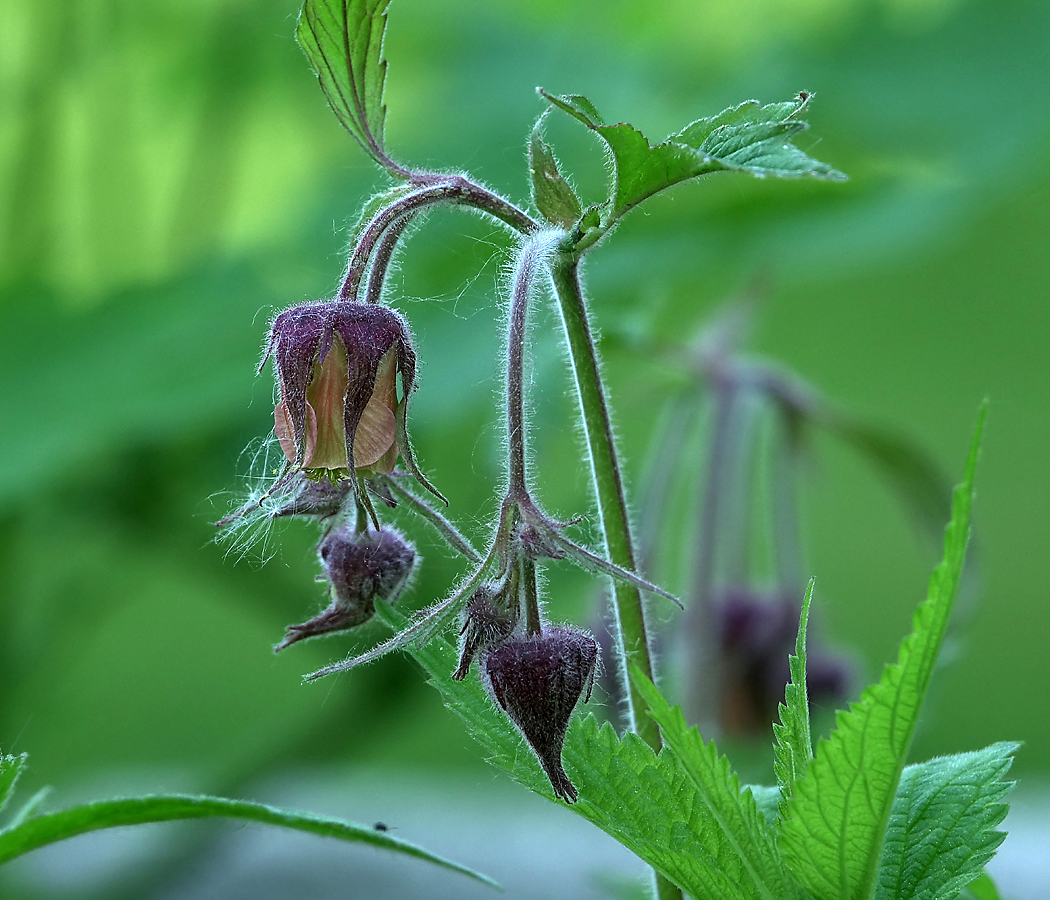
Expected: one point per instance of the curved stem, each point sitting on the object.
(374, 231)
(532, 254)
(433, 190)
(384, 255)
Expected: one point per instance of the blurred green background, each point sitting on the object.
(170, 175)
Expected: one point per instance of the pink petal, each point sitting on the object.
(375, 433)
(285, 431)
(327, 394)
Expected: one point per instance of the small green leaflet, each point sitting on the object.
(741, 841)
(10, 769)
(794, 746)
(748, 138)
(942, 830)
(343, 40)
(833, 833)
(767, 799)
(551, 193)
(52, 827)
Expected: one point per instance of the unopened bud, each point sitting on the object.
(484, 626)
(359, 569)
(538, 681)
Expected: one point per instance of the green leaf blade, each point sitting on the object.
(836, 822)
(53, 827)
(794, 744)
(942, 830)
(748, 137)
(743, 842)
(649, 803)
(343, 40)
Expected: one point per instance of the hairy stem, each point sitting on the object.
(631, 634)
(433, 190)
(448, 531)
(531, 256)
(384, 255)
(532, 597)
(608, 485)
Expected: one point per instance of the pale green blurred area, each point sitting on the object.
(170, 175)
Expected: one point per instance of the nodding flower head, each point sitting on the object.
(538, 680)
(336, 366)
(359, 568)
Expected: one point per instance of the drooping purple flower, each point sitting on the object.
(336, 366)
(359, 568)
(538, 680)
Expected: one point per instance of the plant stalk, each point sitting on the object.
(631, 635)
(529, 260)
(431, 190)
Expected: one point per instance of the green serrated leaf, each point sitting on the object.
(343, 40)
(552, 195)
(647, 802)
(833, 834)
(942, 829)
(794, 745)
(767, 799)
(981, 888)
(749, 137)
(10, 768)
(53, 827)
(742, 842)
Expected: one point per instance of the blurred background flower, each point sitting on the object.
(170, 176)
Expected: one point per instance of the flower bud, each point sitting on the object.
(359, 568)
(538, 680)
(484, 625)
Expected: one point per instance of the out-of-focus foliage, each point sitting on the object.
(170, 174)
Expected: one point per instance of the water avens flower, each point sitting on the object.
(336, 366)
